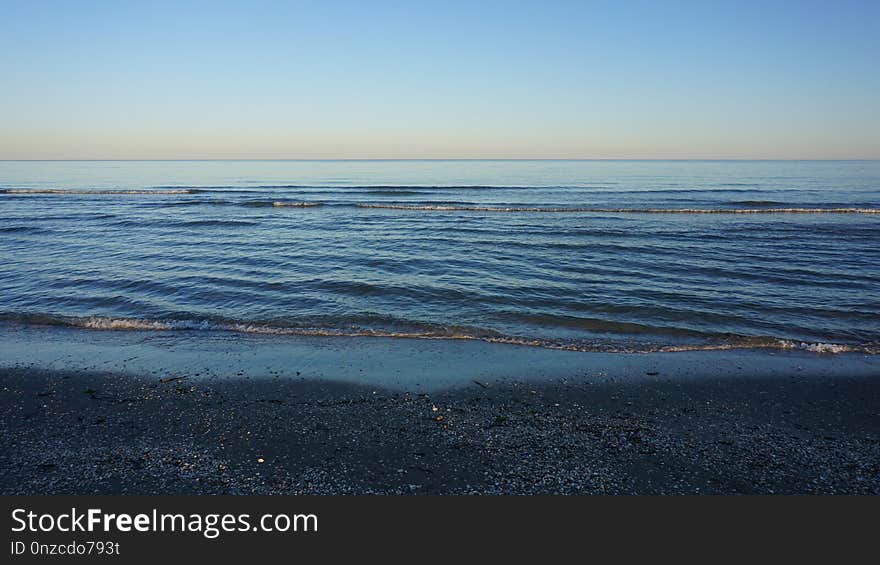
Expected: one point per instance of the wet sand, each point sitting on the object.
(108, 432)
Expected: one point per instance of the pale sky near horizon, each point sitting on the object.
(160, 79)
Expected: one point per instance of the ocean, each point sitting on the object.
(607, 256)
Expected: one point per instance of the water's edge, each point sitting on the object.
(417, 365)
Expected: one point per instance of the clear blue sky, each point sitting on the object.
(664, 79)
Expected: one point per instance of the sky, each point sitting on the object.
(439, 79)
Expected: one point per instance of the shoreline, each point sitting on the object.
(107, 432)
(401, 364)
(153, 412)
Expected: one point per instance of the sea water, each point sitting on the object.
(631, 256)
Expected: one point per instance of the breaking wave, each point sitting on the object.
(279, 204)
(445, 208)
(459, 333)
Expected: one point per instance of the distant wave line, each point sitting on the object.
(434, 208)
(60, 191)
(765, 207)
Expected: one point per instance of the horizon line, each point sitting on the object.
(379, 159)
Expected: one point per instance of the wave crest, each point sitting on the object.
(78, 192)
(279, 204)
(451, 208)
(733, 343)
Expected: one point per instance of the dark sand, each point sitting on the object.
(81, 432)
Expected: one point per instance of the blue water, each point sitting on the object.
(587, 255)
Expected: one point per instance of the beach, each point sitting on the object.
(515, 276)
(744, 422)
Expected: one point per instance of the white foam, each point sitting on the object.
(825, 347)
(134, 324)
(448, 208)
(458, 208)
(296, 204)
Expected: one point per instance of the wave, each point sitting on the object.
(210, 223)
(242, 203)
(757, 203)
(445, 208)
(395, 192)
(471, 334)
(278, 204)
(377, 188)
(607, 188)
(181, 203)
(183, 223)
(725, 189)
(458, 208)
(422, 188)
(81, 192)
(22, 229)
(409, 187)
(255, 203)
(389, 189)
(742, 210)
(756, 206)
